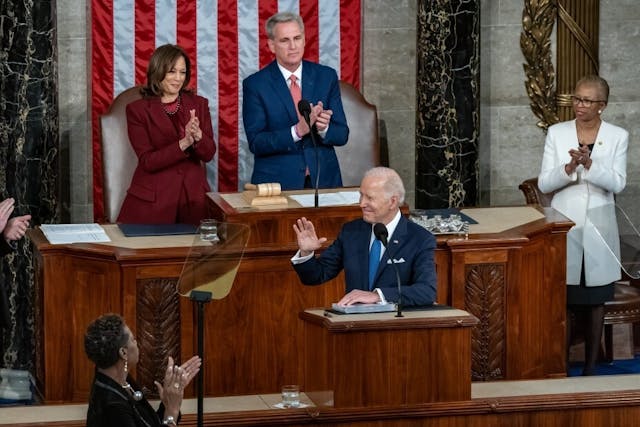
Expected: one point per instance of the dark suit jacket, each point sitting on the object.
(409, 242)
(164, 172)
(268, 114)
(110, 405)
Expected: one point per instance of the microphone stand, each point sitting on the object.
(201, 298)
(395, 268)
(305, 109)
(381, 233)
(312, 131)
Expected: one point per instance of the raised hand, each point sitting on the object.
(308, 241)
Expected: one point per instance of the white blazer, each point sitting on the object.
(586, 197)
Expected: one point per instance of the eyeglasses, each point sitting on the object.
(584, 101)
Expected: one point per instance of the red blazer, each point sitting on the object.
(168, 185)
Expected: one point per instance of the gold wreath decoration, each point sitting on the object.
(538, 19)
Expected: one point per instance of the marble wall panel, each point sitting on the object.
(402, 156)
(388, 80)
(519, 145)
(447, 91)
(612, 11)
(75, 126)
(29, 134)
(620, 56)
(386, 14)
(502, 79)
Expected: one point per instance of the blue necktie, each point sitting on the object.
(374, 260)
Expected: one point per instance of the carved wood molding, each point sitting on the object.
(484, 298)
(157, 330)
(538, 19)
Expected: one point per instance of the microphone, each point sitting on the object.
(304, 108)
(381, 233)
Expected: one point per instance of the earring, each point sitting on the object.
(126, 368)
(599, 111)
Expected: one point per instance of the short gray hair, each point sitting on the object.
(279, 18)
(597, 81)
(393, 185)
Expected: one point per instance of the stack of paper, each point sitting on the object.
(364, 308)
(74, 233)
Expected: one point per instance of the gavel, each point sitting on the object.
(265, 190)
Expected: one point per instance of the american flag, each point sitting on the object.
(226, 42)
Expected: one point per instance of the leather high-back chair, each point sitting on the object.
(119, 161)
(363, 149)
(625, 306)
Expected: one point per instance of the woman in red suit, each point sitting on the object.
(171, 133)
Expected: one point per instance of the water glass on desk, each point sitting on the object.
(209, 230)
(290, 396)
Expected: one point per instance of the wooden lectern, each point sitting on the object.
(512, 280)
(377, 359)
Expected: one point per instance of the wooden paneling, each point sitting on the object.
(412, 363)
(580, 409)
(254, 341)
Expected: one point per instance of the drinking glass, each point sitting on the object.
(209, 230)
(290, 396)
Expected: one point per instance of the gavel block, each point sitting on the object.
(266, 194)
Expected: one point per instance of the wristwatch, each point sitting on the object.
(169, 421)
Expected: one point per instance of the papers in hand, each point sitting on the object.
(364, 308)
(74, 233)
(339, 198)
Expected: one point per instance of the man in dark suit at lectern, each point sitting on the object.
(369, 275)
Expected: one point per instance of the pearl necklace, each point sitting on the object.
(137, 395)
(169, 112)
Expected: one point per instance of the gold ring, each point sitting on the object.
(177, 385)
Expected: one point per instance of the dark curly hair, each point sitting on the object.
(161, 62)
(104, 338)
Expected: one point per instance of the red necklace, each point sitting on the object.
(172, 107)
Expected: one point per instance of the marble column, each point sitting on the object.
(28, 152)
(447, 98)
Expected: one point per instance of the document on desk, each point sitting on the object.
(364, 308)
(74, 233)
(339, 198)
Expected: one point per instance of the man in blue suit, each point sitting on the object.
(410, 245)
(278, 136)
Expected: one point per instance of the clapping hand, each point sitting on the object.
(16, 227)
(12, 228)
(317, 116)
(193, 127)
(322, 117)
(176, 378)
(581, 156)
(308, 241)
(6, 208)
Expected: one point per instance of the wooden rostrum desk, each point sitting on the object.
(512, 280)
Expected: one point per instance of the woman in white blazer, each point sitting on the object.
(585, 162)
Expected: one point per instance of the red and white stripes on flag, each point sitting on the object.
(226, 42)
